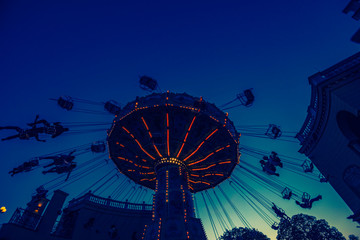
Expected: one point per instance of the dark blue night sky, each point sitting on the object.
(97, 50)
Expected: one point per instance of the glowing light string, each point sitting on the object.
(200, 182)
(186, 135)
(205, 168)
(167, 134)
(201, 160)
(150, 135)
(201, 144)
(138, 143)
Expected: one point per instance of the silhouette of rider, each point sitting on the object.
(59, 159)
(308, 203)
(287, 195)
(59, 169)
(24, 134)
(268, 167)
(25, 167)
(278, 211)
(54, 129)
(275, 160)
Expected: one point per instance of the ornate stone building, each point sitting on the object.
(88, 217)
(330, 135)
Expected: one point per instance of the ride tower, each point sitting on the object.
(177, 145)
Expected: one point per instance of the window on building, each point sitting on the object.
(349, 125)
(351, 177)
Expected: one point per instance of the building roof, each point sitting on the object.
(322, 84)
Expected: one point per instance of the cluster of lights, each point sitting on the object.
(167, 186)
(204, 168)
(204, 182)
(231, 134)
(2, 209)
(159, 230)
(39, 206)
(138, 143)
(125, 159)
(208, 174)
(167, 134)
(143, 235)
(191, 108)
(201, 160)
(146, 173)
(121, 145)
(224, 121)
(187, 107)
(207, 138)
(187, 181)
(183, 193)
(213, 174)
(145, 179)
(139, 166)
(150, 135)
(186, 135)
(214, 119)
(225, 162)
(136, 109)
(170, 160)
(126, 115)
(212, 165)
(153, 205)
(108, 133)
(192, 196)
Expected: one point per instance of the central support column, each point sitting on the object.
(173, 203)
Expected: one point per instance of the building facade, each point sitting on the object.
(88, 217)
(330, 135)
(92, 217)
(37, 220)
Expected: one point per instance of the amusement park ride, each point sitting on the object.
(178, 145)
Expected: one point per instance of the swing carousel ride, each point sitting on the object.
(177, 152)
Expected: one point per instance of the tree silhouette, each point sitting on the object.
(243, 234)
(353, 237)
(305, 227)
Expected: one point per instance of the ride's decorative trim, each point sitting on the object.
(150, 135)
(200, 182)
(138, 143)
(201, 144)
(186, 135)
(201, 160)
(167, 134)
(205, 168)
